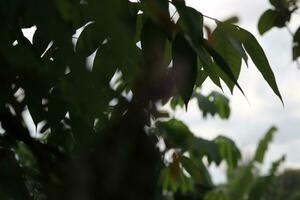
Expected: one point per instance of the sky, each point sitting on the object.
(250, 120)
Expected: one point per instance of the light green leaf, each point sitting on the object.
(228, 151)
(263, 145)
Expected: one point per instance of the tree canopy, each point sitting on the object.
(101, 133)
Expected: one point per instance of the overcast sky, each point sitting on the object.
(249, 122)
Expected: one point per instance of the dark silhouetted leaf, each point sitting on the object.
(184, 67)
(90, 39)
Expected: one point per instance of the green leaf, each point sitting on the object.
(231, 32)
(275, 3)
(259, 58)
(263, 145)
(176, 133)
(261, 184)
(296, 45)
(221, 103)
(267, 21)
(228, 151)
(216, 195)
(209, 67)
(184, 67)
(201, 77)
(40, 41)
(222, 64)
(201, 147)
(240, 184)
(153, 41)
(198, 172)
(105, 64)
(139, 27)
(176, 101)
(230, 50)
(90, 39)
(191, 22)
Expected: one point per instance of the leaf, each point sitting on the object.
(275, 3)
(296, 45)
(175, 133)
(231, 32)
(205, 105)
(139, 27)
(199, 173)
(191, 22)
(176, 101)
(267, 21)
(228, 151)
(210, 68)
(263, 145)
(201, 77)
(184, 67)
(105, 64)
(240, 184)
(153, 42)
(40, 41)
(261, 184)
(201, 147)
(221, 103)
(259, 58)
(222, 64)
(216, 195)
(225, 45)
(90, 39)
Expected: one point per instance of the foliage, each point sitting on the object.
(101, 125)
(284, 186)
(280, 15)
(244, 181)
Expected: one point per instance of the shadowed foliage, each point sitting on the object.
(94, 79)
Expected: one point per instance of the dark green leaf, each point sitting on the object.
(210, 68)
(175, 132)
(296, 45)
(216, 195)
(90, 39)
(259, 58)
(198, 172)
(191, 22)
(221, 103)
(40, 41)
(222, 64)
(267, 21)
(204, 148)
(184, 67)
(230, 50)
